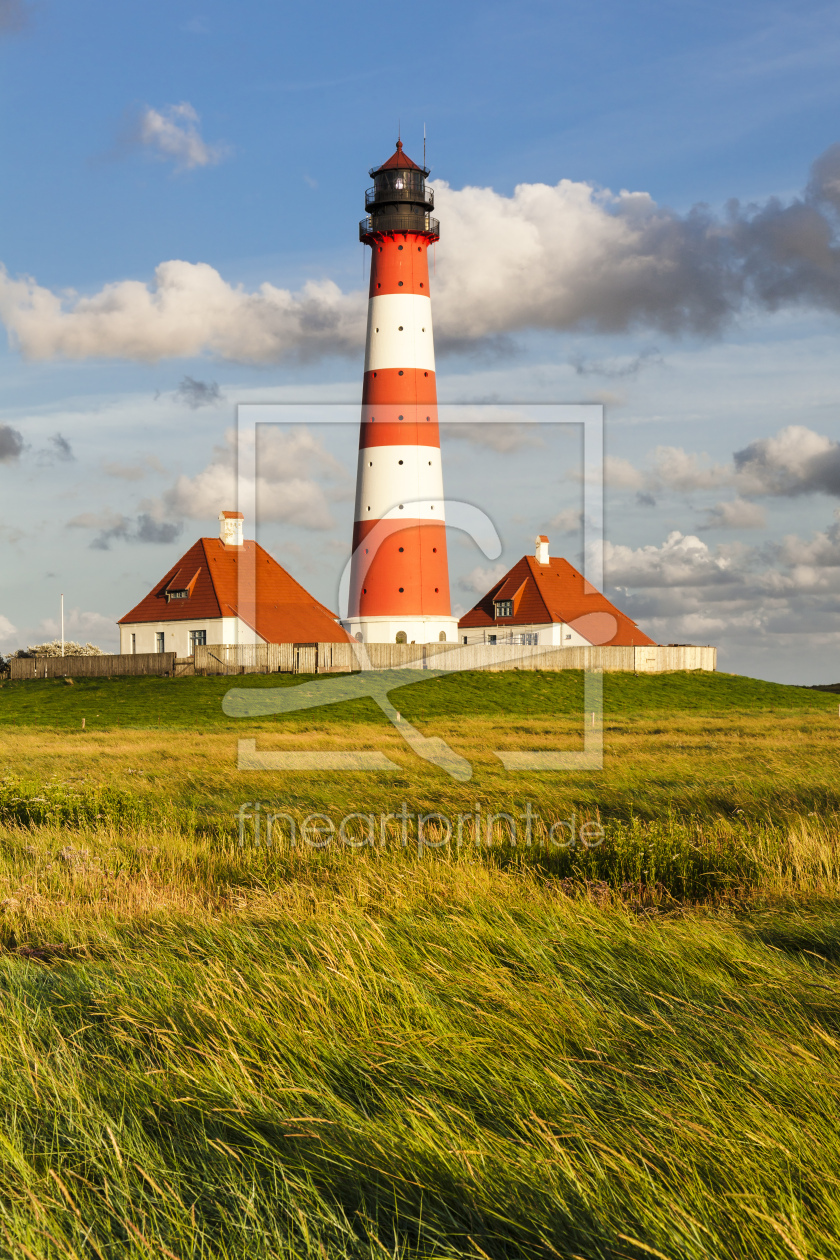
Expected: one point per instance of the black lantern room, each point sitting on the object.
(399, 200)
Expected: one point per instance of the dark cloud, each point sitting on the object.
(59, 451)
(114, 527)
(62, 448)
(611, 263)
(195, 394)
(11, 444)
(152, 531)
(824, 185)
(120, 530)
(616, 368)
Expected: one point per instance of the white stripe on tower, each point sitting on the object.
(399, 333)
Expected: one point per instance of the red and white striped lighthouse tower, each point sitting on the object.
(399, 578)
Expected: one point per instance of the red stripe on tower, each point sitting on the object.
(399, 577)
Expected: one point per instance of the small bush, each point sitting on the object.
(54, 649)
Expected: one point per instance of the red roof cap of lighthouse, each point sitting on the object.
(398, 161)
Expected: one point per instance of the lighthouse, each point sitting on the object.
(399, 577)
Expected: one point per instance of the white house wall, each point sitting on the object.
(550, 634)
(176, 634)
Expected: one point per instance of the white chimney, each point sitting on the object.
(541, 550)
(230, 528)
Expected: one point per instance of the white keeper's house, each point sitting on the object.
(198, 601)
(544, 600)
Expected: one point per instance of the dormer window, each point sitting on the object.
(170, 595)
(504, 607)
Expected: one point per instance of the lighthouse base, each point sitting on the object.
(392, 629)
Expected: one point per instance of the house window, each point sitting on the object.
(532, 639)
(177, 595)
(159, 641)
(491, 638)
(134, 645)
(198, 638)
(504, 607)
(465, 638)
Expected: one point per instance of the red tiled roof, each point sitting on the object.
(284, 613)
(543, 593)
(399, 160)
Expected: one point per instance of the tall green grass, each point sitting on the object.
(367, 1055)
(196, 703)
(85, 805)
(629, 1048)
(649, 859)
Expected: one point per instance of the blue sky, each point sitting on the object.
(182, 188)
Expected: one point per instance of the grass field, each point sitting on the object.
(623, 1049)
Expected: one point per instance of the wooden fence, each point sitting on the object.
(343, 658)
(331, 658)
(93, 666)
(264, 658)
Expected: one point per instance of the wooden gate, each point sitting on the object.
(305, 658)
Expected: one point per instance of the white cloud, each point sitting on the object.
(568, 521)
(677, 469)
(796, 461)
(173, 134)
(188, 311)
(682, 560)
(482, 578)
(106, 519)
(7, 634)
(494, 428)
(564, 256)
(621, 474)
(672, 468)
(748, 600)
(136, 471)
(82, 626)
(292, 468)
(571, 255)
(821, 552)
(735, 514)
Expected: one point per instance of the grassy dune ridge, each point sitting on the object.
(627, 1049)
